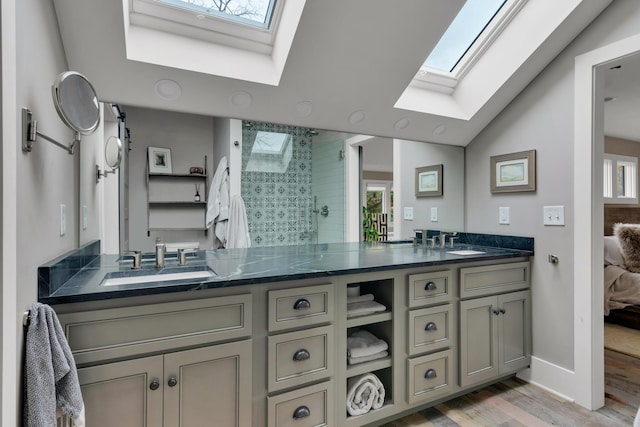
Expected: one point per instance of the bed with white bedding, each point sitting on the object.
(622, 276)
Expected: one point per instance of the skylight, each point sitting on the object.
(471, 21)
(270, 143)
(251, 12)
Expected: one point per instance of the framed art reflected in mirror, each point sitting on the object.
(429, 181)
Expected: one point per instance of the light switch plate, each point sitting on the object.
(408, 213)
(503, 215)
(434, 214)
(553, 215)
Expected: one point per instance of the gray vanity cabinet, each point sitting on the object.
(494, 336)
(185, 388)
(185, 363)
(121, 394)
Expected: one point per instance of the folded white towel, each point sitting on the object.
(364, 392)
(364, 308)
(363, 343)
(356, 360)
(359, 298)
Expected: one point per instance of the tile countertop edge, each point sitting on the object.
(96, 294)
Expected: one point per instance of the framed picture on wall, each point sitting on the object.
(429, 181)
(513, 172)
(159, 160)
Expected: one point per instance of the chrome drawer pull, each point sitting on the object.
(154, 384)
(301, 355)
(172, 382)
(301, 412)
(431, 327)
(302, 304)
(430, 286)
(430, 374)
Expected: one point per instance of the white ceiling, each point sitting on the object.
(346, 56)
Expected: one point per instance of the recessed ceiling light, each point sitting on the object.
(439, 130)
(241, 99)
(403, 123)
(357, 117)
(304, 108)
(168, 89)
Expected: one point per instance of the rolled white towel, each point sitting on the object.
(359, 298)
(364, 308)
(364, 392)
(363, 343)
(356, 360)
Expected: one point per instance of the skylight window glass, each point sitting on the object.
(465, 29)
(252, 12)
(270, 143)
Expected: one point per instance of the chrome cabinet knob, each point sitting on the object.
(154, 384)
(172, 382)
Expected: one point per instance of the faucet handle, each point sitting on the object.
(137, 258)
(182, 255)
(452, 241)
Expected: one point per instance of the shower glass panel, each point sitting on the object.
(277, 185)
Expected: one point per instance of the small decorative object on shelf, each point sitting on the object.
(197, 192)
(196, 170)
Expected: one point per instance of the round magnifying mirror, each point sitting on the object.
(76, 102)
(113, 152)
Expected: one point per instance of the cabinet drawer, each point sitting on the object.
(430, 376)
(300, 307)
(430, 288)
(118, 333)
(296, 358)
(306, 407)
(430, 329)
(493, 279)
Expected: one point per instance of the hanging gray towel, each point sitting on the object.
(50, 375)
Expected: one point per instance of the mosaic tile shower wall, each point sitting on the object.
(276, 188)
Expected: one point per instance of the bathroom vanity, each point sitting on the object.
(264, 341)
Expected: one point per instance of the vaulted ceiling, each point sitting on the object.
(346, 57)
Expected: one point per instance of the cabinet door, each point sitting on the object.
(478, 340)
(210, 385)
(514, 347)
(123, 394)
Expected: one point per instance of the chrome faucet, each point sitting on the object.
(161, 249)
(182, 255)
(137, 258)
(443, 239)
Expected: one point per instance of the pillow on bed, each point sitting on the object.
(629, 238)
(612, 251)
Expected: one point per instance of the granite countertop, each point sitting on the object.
(77, 278)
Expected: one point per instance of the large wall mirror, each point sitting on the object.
(299, 185)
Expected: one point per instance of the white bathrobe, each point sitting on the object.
(218, 202)
(238, 229)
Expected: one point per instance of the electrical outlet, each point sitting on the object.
(503, 215)
(434, 214)
(63, 220)
(553, 215)
(408, 213)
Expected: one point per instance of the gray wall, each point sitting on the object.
(190, 138)
(542, 118)
(409, 155)
(47, 177)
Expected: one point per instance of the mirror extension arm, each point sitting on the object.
(30, 134)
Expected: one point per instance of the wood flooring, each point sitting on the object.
(514, 403)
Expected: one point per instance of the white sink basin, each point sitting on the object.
(151, 278)
(465, 252)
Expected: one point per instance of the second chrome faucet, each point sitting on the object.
(161, 249)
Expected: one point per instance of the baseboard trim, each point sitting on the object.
(553, 378)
